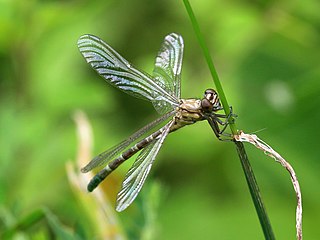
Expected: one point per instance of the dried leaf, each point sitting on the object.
(258, 143)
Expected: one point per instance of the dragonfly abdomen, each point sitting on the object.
(136, 148)
(100, 176)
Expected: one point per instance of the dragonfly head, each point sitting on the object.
(211, 101)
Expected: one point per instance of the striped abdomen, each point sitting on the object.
(100, 176)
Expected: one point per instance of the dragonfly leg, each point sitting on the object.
(214, 121)
(215, 127)
(228, 117)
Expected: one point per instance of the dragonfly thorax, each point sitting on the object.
(190, 105)
(188, 112)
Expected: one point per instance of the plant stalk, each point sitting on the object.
(251, 180)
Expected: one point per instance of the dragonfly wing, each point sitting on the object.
(137, 174)
(111, 153)
(119, 72)
(167, 71)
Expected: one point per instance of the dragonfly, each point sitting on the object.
(162, 89)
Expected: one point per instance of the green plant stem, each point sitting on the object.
(208, 58)
(255, 192)
(251, 180)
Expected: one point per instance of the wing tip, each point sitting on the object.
(122, 207)
(84, 36)
(83, 39)
(172, 37)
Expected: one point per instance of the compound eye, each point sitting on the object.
(209, 91)
(209, 94)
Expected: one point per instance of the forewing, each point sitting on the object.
(119, 72)
(167, 71)
(137, 174)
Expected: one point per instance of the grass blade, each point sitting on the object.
(251, 180)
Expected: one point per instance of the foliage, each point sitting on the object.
(266, 54)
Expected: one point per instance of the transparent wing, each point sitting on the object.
(137, 174)
(167, 71)
(111, 153)
(120, 73)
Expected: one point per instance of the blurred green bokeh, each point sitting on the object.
(267, 56)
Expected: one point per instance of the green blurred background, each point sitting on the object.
(267, 56)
